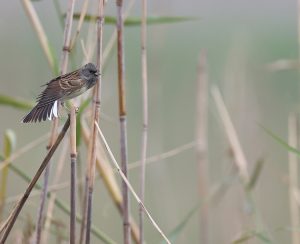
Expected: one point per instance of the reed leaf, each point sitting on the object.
(281, 141)
(136, 21)
(250, 235)
(15, 102)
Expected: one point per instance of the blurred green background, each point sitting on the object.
(241, 38)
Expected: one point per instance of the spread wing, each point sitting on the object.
(58, 89)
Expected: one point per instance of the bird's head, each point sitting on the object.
(89, 71)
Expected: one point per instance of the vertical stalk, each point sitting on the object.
(73, 153)
(122, 115)
(73, 156)
(201, 148)
(96, 114)
(293, 178)
(145, 114)
(52, 197)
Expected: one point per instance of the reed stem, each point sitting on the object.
(96, 115)
(122, 116)
(145, 115)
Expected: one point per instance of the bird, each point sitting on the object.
(60, 89)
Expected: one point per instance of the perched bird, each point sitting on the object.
(60, 89)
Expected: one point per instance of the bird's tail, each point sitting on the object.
(41, 113)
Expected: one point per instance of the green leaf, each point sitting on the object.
(10, 142)
(15, 102)
(136, 21)
(252, 234)
(255, 175)
(281, 141)
(172, 236)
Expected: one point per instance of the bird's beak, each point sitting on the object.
(97, 73)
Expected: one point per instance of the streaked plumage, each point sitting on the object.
(60, 89)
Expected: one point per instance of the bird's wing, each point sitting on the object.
(60, 87)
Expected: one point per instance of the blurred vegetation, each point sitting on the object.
(252, 53)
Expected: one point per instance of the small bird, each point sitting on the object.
(60, 89)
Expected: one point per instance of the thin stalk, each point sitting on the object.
(113, 38)
(293, 178)
(96, 115)
(80, 22)
(160, 157)
(239, 156)
(129, 185)
(73, 156)
(52, 198)
(40, 217)
(73, 153)
(84, 212)
(122, 116)
(145, 115)
(9, 223)
(201, 148)
(40, 33)
(108, 176)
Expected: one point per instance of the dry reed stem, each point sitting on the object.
(40, 215)
(201, 148)
(240, 159)
(145, 114)
(59, 169)
(129, 185)
(96, 115)
(40, 31)
(113, 38)
(171, 153)
(80, 22)
(108, 176)
(298, 25)
(73, 154)
(293, 178)
(122, 115)
(9, 223)
(84, 211)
